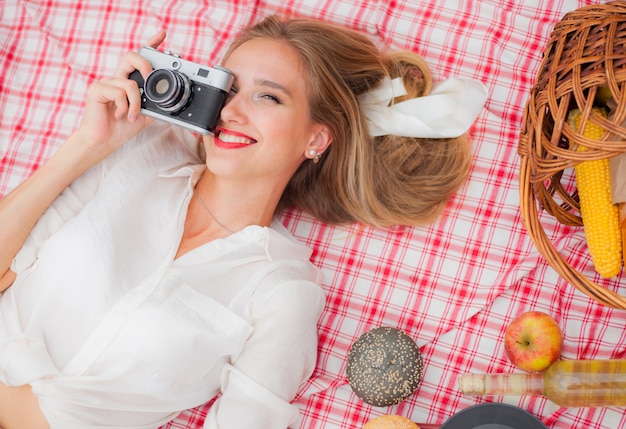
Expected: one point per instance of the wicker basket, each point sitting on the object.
(586, 51)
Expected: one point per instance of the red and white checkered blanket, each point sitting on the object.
(452, 286)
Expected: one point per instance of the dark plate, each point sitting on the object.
(493, 416)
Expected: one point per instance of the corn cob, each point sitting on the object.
(600, 216)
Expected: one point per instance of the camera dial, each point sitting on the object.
(168, 89)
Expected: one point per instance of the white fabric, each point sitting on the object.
(110, 331)
(239, 396)
(448, 111)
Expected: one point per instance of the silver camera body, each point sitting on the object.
(182, 92)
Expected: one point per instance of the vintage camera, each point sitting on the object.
(181, 92)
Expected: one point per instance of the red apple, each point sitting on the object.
(533, 341)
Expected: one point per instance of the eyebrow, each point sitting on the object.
(272, 84)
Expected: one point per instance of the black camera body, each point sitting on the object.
(182, 92)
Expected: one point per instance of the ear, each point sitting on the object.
(319, 142)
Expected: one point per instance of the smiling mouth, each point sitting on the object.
(231, 138)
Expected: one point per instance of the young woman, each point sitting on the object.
(139, 279)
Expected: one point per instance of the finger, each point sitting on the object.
(134, 100)
(155, 40)
(124, 93)
(133, 61)
(104, 93)
(133, 96)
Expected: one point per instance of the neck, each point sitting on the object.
(237, 205)
(225, 208)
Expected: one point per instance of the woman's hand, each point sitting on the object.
(113, 105)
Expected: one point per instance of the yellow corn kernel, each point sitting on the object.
(600, 216)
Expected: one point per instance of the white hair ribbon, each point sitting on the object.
(448, 111)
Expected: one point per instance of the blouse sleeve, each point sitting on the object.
(75, 196)
(278, 357)
(64, 207)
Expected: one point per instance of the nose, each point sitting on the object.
(233, 110)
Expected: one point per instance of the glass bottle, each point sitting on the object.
(568, 383)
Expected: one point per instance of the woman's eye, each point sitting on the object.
(271, 97)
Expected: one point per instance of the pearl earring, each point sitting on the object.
(315, 155)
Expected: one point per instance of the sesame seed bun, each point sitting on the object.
(390, 421)
(384, 366)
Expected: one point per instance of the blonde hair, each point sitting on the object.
(379, 181)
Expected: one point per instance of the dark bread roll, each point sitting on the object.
(385, 366)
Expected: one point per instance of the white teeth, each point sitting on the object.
(229, 138)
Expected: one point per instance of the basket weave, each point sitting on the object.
(586, 50)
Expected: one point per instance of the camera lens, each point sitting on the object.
(168, 89)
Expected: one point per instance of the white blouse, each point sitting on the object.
(111, 331)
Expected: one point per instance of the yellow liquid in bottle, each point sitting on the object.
(586, 383)
(568, 383)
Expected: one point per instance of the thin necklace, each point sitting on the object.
(211, 213)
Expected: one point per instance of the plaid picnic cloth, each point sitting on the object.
(454, 285)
